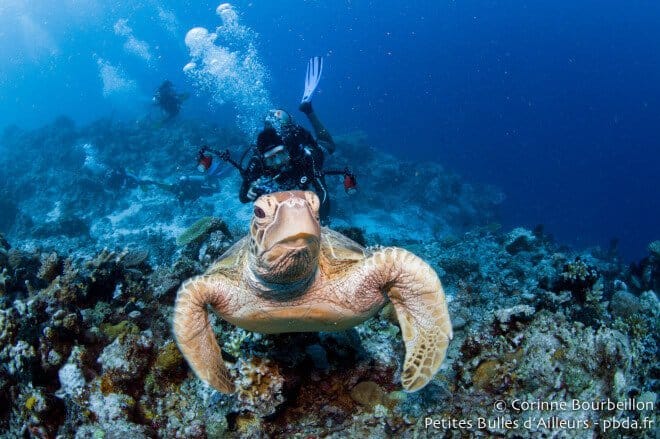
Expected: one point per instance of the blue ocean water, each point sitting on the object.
(556, 103)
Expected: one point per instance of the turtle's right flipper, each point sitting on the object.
(194, 334)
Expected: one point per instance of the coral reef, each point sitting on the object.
(259, 387)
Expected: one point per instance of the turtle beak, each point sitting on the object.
(294, 226)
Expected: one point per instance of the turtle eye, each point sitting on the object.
(259, 212)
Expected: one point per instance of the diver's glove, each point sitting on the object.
(262, 186)
(253, 193)
(306, 107)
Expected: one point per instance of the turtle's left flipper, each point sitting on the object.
(419, 300)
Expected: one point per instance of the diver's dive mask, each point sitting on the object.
(276, 157)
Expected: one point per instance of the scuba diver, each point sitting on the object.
(186, 188)
(169, 100)
(287, 156)
(113, 180)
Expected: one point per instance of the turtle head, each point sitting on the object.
(285, 237)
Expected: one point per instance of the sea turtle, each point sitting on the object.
(292, 275)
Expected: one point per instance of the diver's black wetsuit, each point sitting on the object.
(304, 168)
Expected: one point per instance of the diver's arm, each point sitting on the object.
(234, 164)
(323, 137)
(242, 193)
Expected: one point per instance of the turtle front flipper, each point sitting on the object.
(419, 300)
(194, 334)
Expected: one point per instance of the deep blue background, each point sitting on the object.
(557, 103)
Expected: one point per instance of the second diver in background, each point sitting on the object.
(168, 100)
